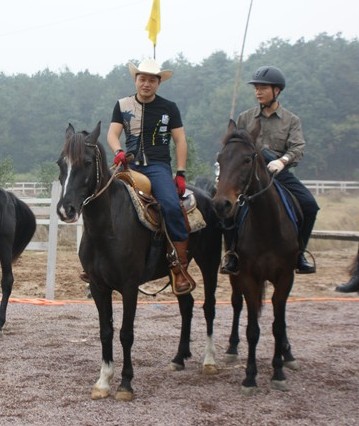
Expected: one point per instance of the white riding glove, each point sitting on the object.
(275, 166)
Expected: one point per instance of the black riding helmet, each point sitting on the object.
(268, 75)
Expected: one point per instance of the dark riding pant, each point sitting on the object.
(165, 192)
(306, 201)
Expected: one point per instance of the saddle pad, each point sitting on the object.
(288, 204)
(195, 218)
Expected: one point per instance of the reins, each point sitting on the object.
(99, 191)
(244, 198)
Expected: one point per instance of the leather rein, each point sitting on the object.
(244, 198)
(98, 191)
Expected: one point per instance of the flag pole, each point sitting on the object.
(154, 24)
(238, 73)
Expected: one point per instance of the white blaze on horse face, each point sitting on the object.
(62, 209)
(69, 169)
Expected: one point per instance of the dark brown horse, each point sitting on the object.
(266, 243)
(116, 249)
(17, 226)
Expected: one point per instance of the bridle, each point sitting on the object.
(244, 198)
(98, 190)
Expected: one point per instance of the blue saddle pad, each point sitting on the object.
(288, 204)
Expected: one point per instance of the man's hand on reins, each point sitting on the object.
(180, 181)
(120, 157)
(275, 166)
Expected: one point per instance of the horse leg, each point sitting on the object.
(288, 359)
(185, 304)
(253, 331)
(7, 282)
(124, 391)
(209, 273)
(279, 300)
(237, 305)
(103, 301)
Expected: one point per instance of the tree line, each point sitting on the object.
(322, 89)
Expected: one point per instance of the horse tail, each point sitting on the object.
(25, 226)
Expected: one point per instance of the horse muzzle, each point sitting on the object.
(67, 213)
(223, 207)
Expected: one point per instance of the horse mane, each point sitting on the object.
(238, 135)
(74, 148)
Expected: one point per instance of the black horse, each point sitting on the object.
(115, 248)
(265, 236)
(17, 227)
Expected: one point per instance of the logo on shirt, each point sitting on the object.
(165, 119)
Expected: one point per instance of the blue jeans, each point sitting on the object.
(165, 192)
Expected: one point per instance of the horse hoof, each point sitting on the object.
(280, 385)
(209, 369)
(124, 395)
(231, 358)
(176, 367)
(98, 393)
(291, 365)
(248, 390)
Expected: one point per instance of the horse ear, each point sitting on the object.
(70, 130)
(232, 125)
(94, 135)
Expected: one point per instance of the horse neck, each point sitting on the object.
(264, 207)
(98, 211)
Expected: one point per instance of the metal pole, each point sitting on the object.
(238, 73)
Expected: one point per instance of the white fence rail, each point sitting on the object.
(33, 189)
(323, 186)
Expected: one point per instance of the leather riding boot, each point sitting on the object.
(303, 266)
(182, 282)
(350, 287)
(230, 263)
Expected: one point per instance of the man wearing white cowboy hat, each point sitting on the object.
(150, 122)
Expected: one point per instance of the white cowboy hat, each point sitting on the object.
(149, 66)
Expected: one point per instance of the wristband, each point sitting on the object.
(181, 173)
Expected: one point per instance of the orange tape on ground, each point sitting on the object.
(47, 302)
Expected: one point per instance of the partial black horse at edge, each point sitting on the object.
(17, 227)
(267, 246)
(114, 249)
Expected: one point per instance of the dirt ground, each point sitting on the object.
(30, 277)
(50, 355)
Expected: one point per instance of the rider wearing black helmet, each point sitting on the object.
(279, 135)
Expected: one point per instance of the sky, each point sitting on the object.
(91, 35)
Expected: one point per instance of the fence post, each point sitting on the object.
(52, 248)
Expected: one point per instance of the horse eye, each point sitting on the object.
(247, 160)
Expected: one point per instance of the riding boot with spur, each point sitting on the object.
(303, 266)
(350, 287)
(182, 282)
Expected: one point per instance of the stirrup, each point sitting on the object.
(225, 262)
(192, 283)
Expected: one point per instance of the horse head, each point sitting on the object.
(82, 164)
(240, 166)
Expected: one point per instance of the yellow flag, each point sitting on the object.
(154, 23)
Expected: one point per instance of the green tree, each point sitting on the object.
(47, 173)
(7, 174)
